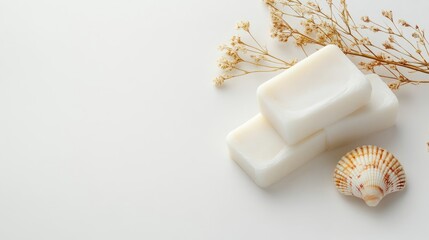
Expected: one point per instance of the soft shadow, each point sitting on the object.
(388, 202)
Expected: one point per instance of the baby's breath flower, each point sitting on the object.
(387, 45)
(321, 37)
(365, 19)
(403, 23)
(387, 14)
(300, 41)
(309, 26)
(381, 56)
(236, 41)
(394, 86)
(218, 81)
(225, 64)
(244, 25)
(258, 58)
(374, 29)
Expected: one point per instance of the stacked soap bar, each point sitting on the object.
(321, 103)
(315, 93)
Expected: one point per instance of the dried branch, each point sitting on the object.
(403, 52)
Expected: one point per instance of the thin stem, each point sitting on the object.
(398, 55)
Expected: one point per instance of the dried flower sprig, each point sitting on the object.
(238, 53)
(332, 23)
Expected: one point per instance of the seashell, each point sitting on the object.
(370, 173)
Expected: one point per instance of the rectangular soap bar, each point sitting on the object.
(266, 157)
(378, 114)
(313, 94)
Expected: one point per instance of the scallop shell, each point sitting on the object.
(370, 173)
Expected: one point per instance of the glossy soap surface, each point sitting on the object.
(316, 92)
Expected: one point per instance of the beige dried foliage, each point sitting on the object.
(403, 52)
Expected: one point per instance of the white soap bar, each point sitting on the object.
(263, 154)
(313, 94)
(380, 113)
(266, 158)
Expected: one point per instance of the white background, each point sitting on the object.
(110, 128)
